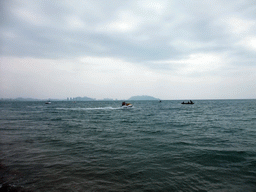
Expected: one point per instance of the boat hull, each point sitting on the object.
(127, 106)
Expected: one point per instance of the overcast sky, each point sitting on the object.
(168, 49)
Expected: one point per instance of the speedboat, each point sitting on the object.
(190, 102)
(48, 102)
(126, 105)
(187, 103)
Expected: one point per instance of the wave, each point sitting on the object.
(90, 108)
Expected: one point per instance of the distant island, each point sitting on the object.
(143, 97)
(80, 99)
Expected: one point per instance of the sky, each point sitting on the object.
(168, 49)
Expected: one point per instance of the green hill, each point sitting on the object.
(143, 97)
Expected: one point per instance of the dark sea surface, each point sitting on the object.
(98, 146)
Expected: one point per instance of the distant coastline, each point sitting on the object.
(143, 97)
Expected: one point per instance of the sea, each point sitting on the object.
(153, 146)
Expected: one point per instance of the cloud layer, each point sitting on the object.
(167, 49)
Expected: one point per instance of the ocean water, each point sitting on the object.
(98, 146)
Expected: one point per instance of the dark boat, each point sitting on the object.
(188, 103)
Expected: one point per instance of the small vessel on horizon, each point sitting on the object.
(189, 102)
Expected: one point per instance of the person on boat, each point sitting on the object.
(191, 102)
(123, 103)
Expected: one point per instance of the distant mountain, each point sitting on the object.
(143, 97)
(25, 99)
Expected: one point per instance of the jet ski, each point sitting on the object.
(126, 105)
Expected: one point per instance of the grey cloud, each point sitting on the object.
(53, 38)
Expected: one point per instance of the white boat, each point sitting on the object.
(126, 105)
